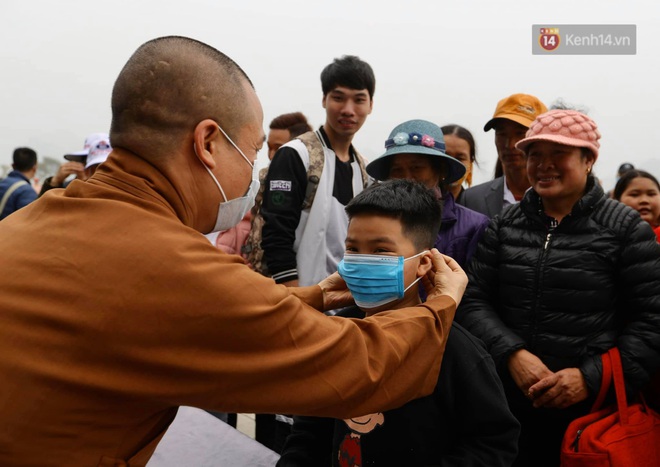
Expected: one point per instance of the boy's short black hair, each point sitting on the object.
(348, 71)
(24, 159)
(417, 208)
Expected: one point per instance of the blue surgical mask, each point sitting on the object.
(375, 280)
(230, 212)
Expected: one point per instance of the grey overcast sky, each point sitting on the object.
(448, 62)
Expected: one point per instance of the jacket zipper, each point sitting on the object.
(537, 285)
(577, 440)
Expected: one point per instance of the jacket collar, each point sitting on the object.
(326, 141)
(532, 204)
(17, 174)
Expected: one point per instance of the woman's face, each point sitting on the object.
(416, 167)
(459, 149)
(643, 195)
(558, 172)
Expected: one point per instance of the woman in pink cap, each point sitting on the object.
(559, 279)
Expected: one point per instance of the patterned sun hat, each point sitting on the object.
(415, 137)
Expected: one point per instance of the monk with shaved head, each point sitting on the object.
(116, 309)
(177, 95)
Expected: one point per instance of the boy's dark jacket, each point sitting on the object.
(465, 422)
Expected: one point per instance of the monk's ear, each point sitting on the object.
(205, 142)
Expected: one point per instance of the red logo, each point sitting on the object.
(549, 39)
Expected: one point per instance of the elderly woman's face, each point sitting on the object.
(557, 171)
(416, 167)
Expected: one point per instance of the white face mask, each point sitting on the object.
(230, 212)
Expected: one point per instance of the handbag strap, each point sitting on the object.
(613, 369)
(619, 385)
(605, 382)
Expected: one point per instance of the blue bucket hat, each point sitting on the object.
(416, 137)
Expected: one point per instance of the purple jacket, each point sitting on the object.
(460, 231)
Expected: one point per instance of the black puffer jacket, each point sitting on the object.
(568, 296)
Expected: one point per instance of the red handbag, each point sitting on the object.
(621, 435)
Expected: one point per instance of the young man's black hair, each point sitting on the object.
(348, 71)
(415, 206)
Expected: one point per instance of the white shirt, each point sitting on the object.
(508, 195)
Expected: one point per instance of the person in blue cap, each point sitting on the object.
(415, 150)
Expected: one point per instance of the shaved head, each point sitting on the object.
(168, 86)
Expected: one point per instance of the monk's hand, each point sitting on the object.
(335, 293)
(445, 278)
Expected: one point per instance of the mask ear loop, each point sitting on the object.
(253, 165)
(236, 147)
(415, 256)
(222, 192)
(420, 277)
(413, 283)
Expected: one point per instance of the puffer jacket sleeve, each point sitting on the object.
(478, 309)
(639, 305)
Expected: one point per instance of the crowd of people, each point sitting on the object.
(372, 310)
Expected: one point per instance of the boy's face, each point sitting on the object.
(346, 110)
(371, 234)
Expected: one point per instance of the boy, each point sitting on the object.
(466, 420)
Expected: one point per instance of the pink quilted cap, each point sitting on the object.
(568, 127)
